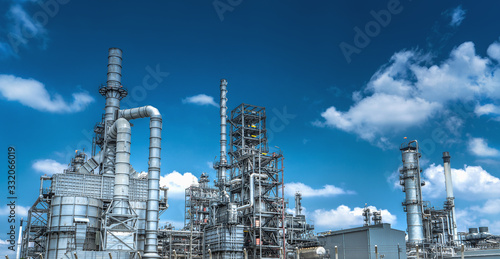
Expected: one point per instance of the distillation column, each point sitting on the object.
(450, 199)
(222, 166)
(410, 176)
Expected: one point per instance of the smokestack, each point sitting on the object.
(450, 198)
(113, 92)
(223, 142)
(410, 174)
(114, 67)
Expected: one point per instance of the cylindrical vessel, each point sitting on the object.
(413, 201)
(223, 125)
(473, 231)
(61, 228)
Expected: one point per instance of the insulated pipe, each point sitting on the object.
(449, 192)
(223, 126)
(252, 197)
(155, 127)
(122, 133)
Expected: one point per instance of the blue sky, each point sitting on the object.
(344, 82)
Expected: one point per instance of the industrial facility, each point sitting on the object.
(432, 232)
(100, 207)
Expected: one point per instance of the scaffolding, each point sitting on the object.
(249, 153)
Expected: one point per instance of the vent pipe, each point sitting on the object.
(450, 198)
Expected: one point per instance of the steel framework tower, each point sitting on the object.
(255, 182)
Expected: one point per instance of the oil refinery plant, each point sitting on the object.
(100, 207)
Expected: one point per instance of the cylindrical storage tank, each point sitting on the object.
(140, 208)
(61, 227)
(483, 230)
(473, 231)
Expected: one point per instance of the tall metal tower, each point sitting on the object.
(411, 182)
(256, 178)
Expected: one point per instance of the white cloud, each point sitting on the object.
(307, 191)
(457, 16)
(486, 109)
(48, 166)
(345, 217)
(200, 99)
(494, 51)
(412, 89)
(470, 183)
(374, 115)
(491, 206)
(32, 93)
(177, 183)
(479, 147)
(21, 211)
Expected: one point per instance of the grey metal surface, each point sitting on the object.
(225, 238)
(61, 230)
(359, 243)
(410, 174)
(95, 186)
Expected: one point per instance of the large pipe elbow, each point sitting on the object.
(141, 112)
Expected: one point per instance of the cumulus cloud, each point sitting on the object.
(479, 147)
(308, 191)
(345, 217)
(200, 99)
(470, 183)
(412, 89)
(177, 183)
(32, 93)
(48, 166)
(457, 15)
